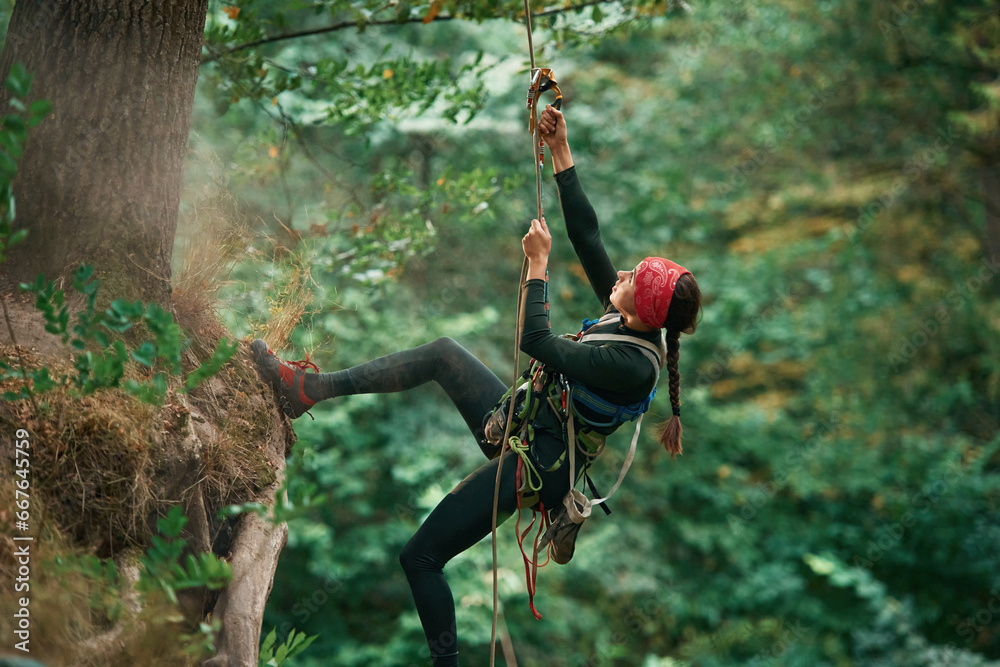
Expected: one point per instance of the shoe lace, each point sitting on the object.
(302, 364)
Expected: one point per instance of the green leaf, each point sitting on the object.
(303, 646)
(17, 237)
(11, 144)
(18, 82)
(172, 524)
(39, 109)
(236, 510)
(82, 275)
(17, 127)
(146, 354)
(8, 164)
(269, 641)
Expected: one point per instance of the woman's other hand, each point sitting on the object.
(537, 243)
(552, 127)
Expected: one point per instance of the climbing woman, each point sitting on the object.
(609, 374)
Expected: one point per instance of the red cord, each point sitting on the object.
(530, 564)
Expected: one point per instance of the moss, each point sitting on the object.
(72, 603)
(102, 460)
(105, 466)
(236, 463)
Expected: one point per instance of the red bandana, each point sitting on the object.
(655, 280)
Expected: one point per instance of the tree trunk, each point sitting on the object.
(100, 178)
(99, 183)
(255, 558)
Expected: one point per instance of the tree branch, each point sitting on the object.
(351, 24)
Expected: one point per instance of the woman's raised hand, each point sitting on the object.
(537, 243)
(552, 127)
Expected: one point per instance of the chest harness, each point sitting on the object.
(586, 419)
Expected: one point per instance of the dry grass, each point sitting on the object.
(91, 459)
(214, 235)
(104, 467)
(223, 239)
(235, 465)
(69, 609)
(205, 262)
(288, 306)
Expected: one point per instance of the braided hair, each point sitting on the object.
(681, 316)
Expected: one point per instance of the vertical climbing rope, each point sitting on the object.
(538, 156)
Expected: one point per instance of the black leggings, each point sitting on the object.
(464, 516)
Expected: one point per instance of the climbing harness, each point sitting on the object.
(572, 402)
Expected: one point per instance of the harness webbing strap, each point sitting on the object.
(650, 351)
(572, 467)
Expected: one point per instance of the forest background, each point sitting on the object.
(830, 172)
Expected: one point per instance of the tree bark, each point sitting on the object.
(100, 178)
(241, 606)
(100, 182)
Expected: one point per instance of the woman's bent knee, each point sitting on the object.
(446, 346)
(413, 559)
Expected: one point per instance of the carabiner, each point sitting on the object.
(542, 79)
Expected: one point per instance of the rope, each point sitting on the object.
(532, 479)
(527, 22)
(506, 435)
(517, 352)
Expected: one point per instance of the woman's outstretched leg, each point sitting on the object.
(470, 385)
(460, 520)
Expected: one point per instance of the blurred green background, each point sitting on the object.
(830, 172)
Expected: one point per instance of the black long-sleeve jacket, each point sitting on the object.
(617, 372)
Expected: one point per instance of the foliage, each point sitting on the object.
(13, 135)
(293, 498)
(823, 168)
(753, 140)
(293, 645)
(105, 367)
(162, 571)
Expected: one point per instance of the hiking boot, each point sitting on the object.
(561, 536)
(287, 377)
